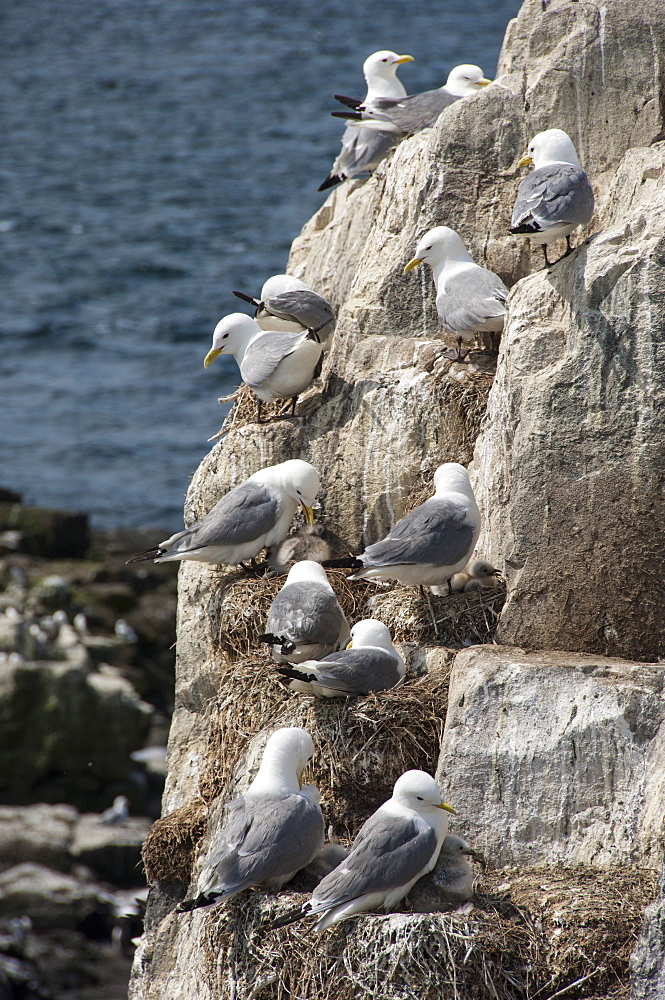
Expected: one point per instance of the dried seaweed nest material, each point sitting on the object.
(363, 744)
(461, 619)
(239, 606)
(463, 393)
(244, 410)
(170, 848)
(572, 940)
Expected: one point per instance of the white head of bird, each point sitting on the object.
(287, 753)
(466, 79)
(452, 478)
(419, 791)
(308, 571)
(298, 479)
(480, 568)
(231, 336)
(370, 632)
(551, 146)
(440, 247)
(278, 284)
(380, 71)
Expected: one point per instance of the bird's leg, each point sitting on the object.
(544, 246)
(461, 355)
(570, 248)
(426, 596)
(258, 412)
(294, 400)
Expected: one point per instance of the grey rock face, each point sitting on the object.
(555, 757)
(647, 963)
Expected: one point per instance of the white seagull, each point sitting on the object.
(255, 515)
(286, 303)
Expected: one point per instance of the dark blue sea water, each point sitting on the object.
(157, 154)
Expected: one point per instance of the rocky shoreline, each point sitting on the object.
(86, 694)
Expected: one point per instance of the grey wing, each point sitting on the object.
(471, 298)
(357, 671)
(387, 853)
(559, 193)
(305, 307)
(305, 613)
(362, 149)
(247, 512)
(432, 533)
(263, 838)
(264, 354)
(413, 113)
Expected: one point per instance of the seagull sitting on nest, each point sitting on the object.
(411, 114)
(556, 197)
(398, 844)
(362, 150)
(252, 516)
(429, 544)
(305, 620)
(369, 663)
(469, 298)
(270, 832)
(275, 365)
(287, 304)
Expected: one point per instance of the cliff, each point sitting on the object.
(553, 744)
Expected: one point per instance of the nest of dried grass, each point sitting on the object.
(454, 621)
(244, 408)
(463, 392)
(171, 846)
(570, 936)
(239, 607)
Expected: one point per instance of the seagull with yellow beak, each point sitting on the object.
(469, 298)
(556, 197)
(398, 844)
(411, 114)
(274, 364)
(255, 515)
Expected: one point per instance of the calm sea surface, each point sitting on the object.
(155, 156)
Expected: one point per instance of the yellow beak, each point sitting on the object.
(525, 161)
(349, 644)
(403, 59)
(309, 513)
(485, 82)
(300, 774)
(444, 805)
(210, 356)
(412, 263)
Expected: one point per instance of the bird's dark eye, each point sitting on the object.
(420, 798)
(384, 60)
(429, 247)
(225, 336)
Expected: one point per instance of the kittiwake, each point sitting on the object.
(275, 365)
(270, 832)
(362, 151)
(250, 517)
(286, 303)
(419, 111)
(398, 844)
(305, 620)
(429, 544)
(469, 298)
(369, 663)
(556, 197)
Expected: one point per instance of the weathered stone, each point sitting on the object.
(647, 962)
(40, 833)
(52, 899)
(571, 465)
(113, 852)
(54, 534)
(555, 756)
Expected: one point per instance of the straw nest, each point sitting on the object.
(462, 392)
(243, 410)
(566, 933)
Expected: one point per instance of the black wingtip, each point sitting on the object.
(349, 562)
(349, 116)
(293, 674)
(202, 899)
(144, 556)
(349, 102)
(525, 229)
(288, 918)
(247, 298)
(330, 181)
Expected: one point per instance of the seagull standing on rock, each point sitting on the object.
(274, 364)
(556, 197)
(363, 149)
(431, 543)
(469, 298)
(255, 515)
